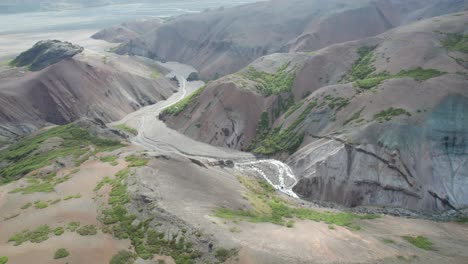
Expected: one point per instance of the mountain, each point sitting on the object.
(223, 41)
(68, 85)
(127, 31)
(379, 121)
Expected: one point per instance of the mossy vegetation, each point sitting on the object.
(75, 196)
(294, 108)
(146, 241)
(37, 235)
(108, 159)
(127, 129)
(354, 117)
(59, 231)
(336, 103)
(222, 254)
(268, 207)
(123, 257)
(180, 106)
(61, 253)
(42, 185)
(136, 161)
(3, 259)
(419, 241)
(271, 84)
(362, 67)
(73, 226)
(364, 76)
(26, 156)
(40, 204)
(273, 141)
(456, 42)
(87, 230)
(387, 115)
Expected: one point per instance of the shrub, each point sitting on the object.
(87, 230)
(456, 42)
(3, 260)
(271, 84)
(135, 161)
(72, 226)
(127, 129)
(123, 257)
(388, 114)
(21, 161)
(180, 106)
(267, 207)
(61, 253)
(59, 231)
(37, 235)
(40, 205)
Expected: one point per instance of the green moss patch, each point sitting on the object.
(146, 241)
(127, 129)
(3, 259)
(37, 235)
(69, 197)
(268, 207)
(456, 42)
(123, 257)
(387, 115)
(419, 241)
(364, 76)
(87, 230)
(61, 253)
(271, 84)
(180, 106)
(59, 231)
(273, 141)
(24, 156)
(40, 204)
(135, 161)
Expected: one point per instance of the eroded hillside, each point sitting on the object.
(68, 85)
(379, 121)
(223, 41)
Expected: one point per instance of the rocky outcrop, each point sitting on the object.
(45, 53)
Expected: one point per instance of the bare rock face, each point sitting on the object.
(224, 41)
(400, 142)
(45, 53)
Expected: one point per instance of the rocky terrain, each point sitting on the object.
(221, 42)
(378, 121)
(351, 139)
(68, 86)
(127, 31)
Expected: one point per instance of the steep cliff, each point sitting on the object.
(379, 121)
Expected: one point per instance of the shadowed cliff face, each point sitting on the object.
(421, 167)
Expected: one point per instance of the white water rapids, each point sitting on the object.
(276, 173)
